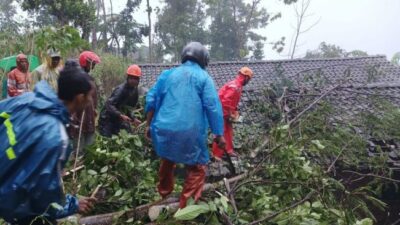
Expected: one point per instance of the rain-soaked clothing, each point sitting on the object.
(229, 95)
(34, 151)
(194, 181)
(46, 72)
(185, 103)
(19, 82)
(123, 101)
(88, 124)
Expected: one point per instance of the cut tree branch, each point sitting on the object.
(312, 104)
(372, 175)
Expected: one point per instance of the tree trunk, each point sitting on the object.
(113, 27)
(142, 211)
(149, 10)
(105, 39)
(94, 30)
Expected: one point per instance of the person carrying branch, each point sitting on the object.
(117, 112)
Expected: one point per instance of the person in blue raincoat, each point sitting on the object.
(180, 107)
(34, 149)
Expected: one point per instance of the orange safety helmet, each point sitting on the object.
(246, 71)
(134, 70)
(86, 56)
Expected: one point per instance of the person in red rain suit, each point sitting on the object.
(230, 95)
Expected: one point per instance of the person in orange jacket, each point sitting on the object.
(230, 95)
(19, 79)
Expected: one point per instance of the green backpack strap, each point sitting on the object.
(10, 134)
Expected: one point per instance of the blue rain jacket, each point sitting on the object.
(33, 151)
(185, 102)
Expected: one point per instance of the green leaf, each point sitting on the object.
(318, 144)
(104, 169)
(138, 142)
(224, 201)
(307, 167)
(366, 221)
(190, 212)
(118, 193)
(92, 172)
(213, 207)
(56, 206)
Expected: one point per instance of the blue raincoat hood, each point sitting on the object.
(47, 101)
(30, 181)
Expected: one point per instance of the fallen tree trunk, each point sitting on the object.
(138, 212)
(143, 210)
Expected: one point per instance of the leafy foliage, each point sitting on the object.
(65, 39)
(77, 12)
(180, 22)
(332, 51)
(123, 167)
(258, 52)
(232, 27)
(128, 29)
(7, 20)
(396, 59)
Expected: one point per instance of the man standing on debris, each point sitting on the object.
(49, 70)
(118, 112)
(87, 117)
(19, 79)
(230, 95)
(180, 107)
(35, 149)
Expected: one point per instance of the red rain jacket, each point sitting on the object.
(229, 95)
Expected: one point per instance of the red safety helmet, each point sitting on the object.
(134, 70)
(88, 56)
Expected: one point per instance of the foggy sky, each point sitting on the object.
(368, 25)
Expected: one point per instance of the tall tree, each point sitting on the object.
(128, 29)
(66, 12)
(97, 5)
(222, 30)
(326, 51)
(233, 25)
(149, 11)
(258, 52)
(179, 23)
(301, 16)
(7, 12)
(396, 59)
(333, 51)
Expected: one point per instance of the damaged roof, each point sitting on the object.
(362, 77)
(362, 80)
(358, 70)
